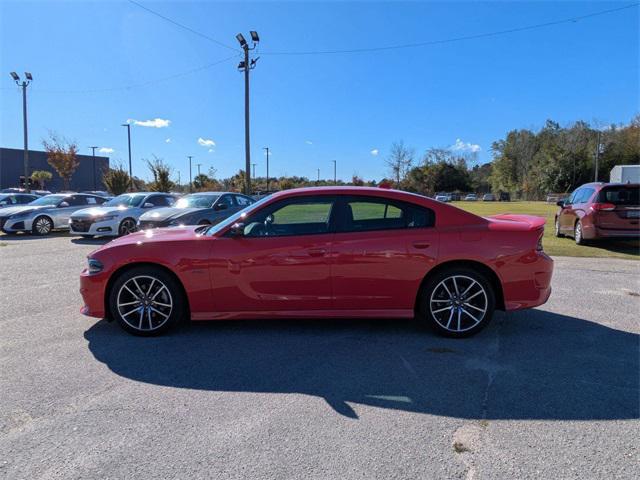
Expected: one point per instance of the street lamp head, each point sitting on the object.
(15, 76)
(241, 40)
(241, 65)
(28, 75)
(254, 36)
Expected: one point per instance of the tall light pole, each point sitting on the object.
(266, 149)
(129, 144)
(190, 179)
(246, 66)
(93, 154)
(318, 181)
(335, 177)
(24, 84)
(253, 173)
(198, 165)
(597, 156)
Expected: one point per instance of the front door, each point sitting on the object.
(281, 261)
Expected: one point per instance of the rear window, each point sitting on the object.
(620, 196)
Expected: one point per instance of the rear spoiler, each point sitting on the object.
(533, 221)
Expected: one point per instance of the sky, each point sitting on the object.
(97, 65)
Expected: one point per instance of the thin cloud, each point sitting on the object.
(210, 150)
(308, 142)
(206, 142)
(106, 150)
(168, 140)
(375, 152)
(155, 123)
(461, 146)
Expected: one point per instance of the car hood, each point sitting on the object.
(98, 212)
(156, 235)
(168, 213)
(5, 212)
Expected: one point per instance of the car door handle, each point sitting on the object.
(421, 245)
(316, 252)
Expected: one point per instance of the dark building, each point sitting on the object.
(88, 176)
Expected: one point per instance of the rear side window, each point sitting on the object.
(367, 214)
(620, 196)
(160, 200)
(584, 195)
(243, 201)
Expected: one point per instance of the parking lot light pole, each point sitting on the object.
(266, 149)
(24, 84)
(128, 125)
(335, 177)
(190, 179)
(246, 66)
(93, 154)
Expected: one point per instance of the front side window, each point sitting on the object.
(366, 214)
(585, 195)
(243, 201)
(574, 196)
(197, 201)
(302, 216)
(225, 200)
(48, 200)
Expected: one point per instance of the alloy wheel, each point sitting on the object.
(43, 225)
(144, 303)
(126, 227)
(458, 303)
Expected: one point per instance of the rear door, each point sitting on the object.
(626, 212)
(381, 251)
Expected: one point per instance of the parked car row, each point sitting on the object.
(472, 197)
(90, 215)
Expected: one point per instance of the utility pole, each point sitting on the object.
(597, 156)
(24, 84)
(93, 154)
(318, 181)
(190, 180)
(267, 150)
(129, 143)
(179, 180)
(253, 173)
(246, 66)
(335, 177)
(198, 165)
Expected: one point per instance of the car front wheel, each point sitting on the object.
(126, 227)
(146, 301)
(457, 302)
(42, 226)
(557, 229)
(578, 234)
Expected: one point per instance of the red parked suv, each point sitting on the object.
(599, 211)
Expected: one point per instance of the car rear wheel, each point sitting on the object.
(557, 229)
(126, 227)
(457, 302)
(146, 301)
(578, 234)
(42, 226)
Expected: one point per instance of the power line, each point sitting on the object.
(142, 84)
(457, 39)
(189, 29)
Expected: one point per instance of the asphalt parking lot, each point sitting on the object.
(547, 393)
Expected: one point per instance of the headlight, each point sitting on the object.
(94, 265)
(19, 215)
(106, 218)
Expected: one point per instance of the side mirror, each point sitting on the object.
(4, 202)
(63, 204)
(237, 230)
(222, 206)
(148, 205)
(560, 203)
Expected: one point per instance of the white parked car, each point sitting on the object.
(443, 198)
(119, 215)
(472, 197)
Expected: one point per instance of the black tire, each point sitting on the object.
(87, 237)
(163, 289)
(457, 315)
(42, 226)
(578, 234)
(557, 229)
(127, 226)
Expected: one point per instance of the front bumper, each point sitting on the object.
(12, 225)
(92, 289)
(93, 227)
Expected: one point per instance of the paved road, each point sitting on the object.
(548, 393)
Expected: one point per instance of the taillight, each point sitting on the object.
(603, 207)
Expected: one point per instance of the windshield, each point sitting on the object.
(237, 216)
(49, 200)
(197, 201)
(620, 195)
(125, 200)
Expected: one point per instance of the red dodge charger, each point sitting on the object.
(328, 252)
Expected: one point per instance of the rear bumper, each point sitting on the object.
(530, 282)
(610, 233)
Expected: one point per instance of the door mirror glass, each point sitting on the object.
(148, 205)
(63, 204)
(560, 203)
(221, 206)
(4, 202)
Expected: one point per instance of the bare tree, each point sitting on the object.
(62, 156)
(400, 160)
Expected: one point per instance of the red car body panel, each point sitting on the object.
(352, 274)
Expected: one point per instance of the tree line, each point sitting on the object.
(526, 163)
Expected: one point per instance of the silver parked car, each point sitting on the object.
(119, 215)
(45, 214)
(14, 199)
(203, 208)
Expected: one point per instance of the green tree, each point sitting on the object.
(117, 180)
(161, 173)
(41, 176)
(62, 156)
